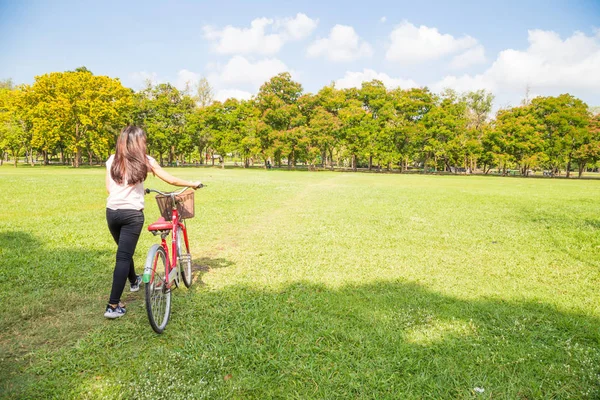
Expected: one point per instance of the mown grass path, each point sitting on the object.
(310, 285)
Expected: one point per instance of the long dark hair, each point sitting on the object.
(130, 165)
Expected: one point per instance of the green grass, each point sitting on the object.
(310, 285)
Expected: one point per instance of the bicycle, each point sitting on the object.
(164, 270)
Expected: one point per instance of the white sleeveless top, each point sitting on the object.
(124, 197)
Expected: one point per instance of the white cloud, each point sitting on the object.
(241, 78)
(464, 83)
(239, 70)
(382, 20)
(342, 44)
(238, 78)
(299, 27)
(551, 62)
(355, 79)
(412, 45)
(225, 94)
(232, 40)
(474, 55)
(549, 66)
(264, 36)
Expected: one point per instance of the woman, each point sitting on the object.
(126, 171)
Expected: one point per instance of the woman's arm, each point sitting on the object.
(170, 179)
(107, 180)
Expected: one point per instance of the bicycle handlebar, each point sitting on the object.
(172, 193)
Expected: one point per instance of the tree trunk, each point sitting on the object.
(448, 167)
(331, 159)
(354, 162)
(581, 169)
(370, 162)
(77, 158)
(569, 167)
(77, 149)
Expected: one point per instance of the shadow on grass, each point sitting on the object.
(379, 340)
(203, 265)
(46, 294)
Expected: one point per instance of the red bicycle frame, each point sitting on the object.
(165, 228)
(172, 260)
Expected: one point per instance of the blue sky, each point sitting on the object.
(550, 46)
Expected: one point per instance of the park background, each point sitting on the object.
(440, 279)
(457, 89)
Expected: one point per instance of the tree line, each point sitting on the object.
(75, 117)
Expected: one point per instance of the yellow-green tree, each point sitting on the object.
(14, 125)
(79, 110)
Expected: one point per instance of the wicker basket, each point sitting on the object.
(185, 205)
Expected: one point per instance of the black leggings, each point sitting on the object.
(125, 227)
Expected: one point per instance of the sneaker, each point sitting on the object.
(116, 312)
(136, 286)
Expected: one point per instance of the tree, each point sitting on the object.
(404, 113)
(12, 128)
(163, 111)
(444, 136)
(82, 69)
(79, 109)
(492, 152)
(195, 129)
(204, 93)
(588, 152)
(7, 84)
(565, 119)
(353, 117)
(478, 109)
(374, 96)
(523, 137)
(331, 100)
(323, 126)
(277, 102)
(250, 123)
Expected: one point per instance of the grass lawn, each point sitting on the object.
(310, 285)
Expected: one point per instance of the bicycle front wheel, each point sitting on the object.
(158, 295)
(184, 258)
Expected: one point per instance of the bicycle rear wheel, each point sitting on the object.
(184, 259)
(158, 295)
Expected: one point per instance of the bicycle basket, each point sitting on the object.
(185, 205)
